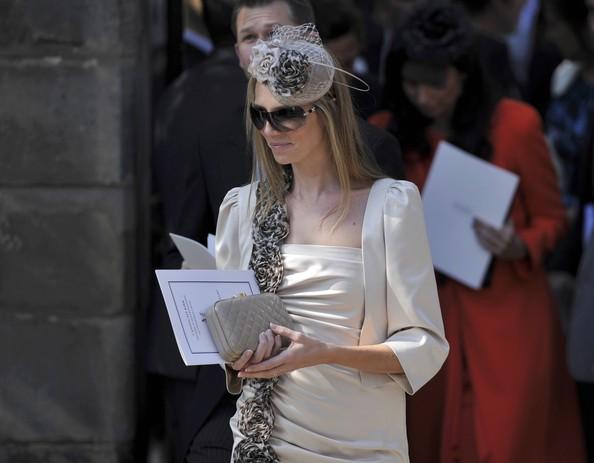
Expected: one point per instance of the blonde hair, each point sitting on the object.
(351, 158)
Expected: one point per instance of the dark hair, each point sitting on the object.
(439, 33)
(337, 18)
(217, 19)
(301, 10)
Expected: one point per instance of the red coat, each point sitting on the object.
(507, 396)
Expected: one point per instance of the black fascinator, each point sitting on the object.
(435, 32)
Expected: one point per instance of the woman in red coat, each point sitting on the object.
(504, 395)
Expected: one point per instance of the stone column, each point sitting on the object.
(74, 143)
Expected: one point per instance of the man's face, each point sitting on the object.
(256, 23)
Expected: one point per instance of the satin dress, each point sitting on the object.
(324, 414)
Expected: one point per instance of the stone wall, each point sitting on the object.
(74, 138)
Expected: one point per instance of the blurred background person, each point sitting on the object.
(196, 39)
(570, 118)
(513, 48)
(533, 55)
(505, 395)
(341, 26)
(494, 20)
(385, 15)
(580, 343)
(570, 126)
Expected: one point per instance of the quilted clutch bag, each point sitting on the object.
(235, 324)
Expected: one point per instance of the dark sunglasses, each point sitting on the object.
(283, 119)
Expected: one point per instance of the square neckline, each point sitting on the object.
(375, 183)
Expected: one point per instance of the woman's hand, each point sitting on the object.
(268, 345)
(503, 243)
(302, 352)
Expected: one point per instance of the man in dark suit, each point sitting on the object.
(495, 20)
(200, 154)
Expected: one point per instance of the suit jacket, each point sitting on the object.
(580, 349)
(536, 91)
(199, 154)
(543, 61)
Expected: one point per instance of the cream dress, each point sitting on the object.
(324, 413)
(384, 293)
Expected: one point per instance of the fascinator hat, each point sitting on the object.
(435, 35)
(294, 65)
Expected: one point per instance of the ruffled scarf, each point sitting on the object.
(256, 416)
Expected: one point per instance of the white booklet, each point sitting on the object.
(194, 253)
(188, 294)
(459, 188)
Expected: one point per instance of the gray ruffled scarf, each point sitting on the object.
(256, 416)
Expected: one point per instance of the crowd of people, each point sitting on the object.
(303, 139)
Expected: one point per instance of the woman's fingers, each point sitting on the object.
(304, 351)
(269, 343)
(490, 238)
(266, 355)
(242, 361)
(260, 350)
(278, 344)
(488, 242)
(502, 242)
(285, 332)
(270, 364)
(265, 346)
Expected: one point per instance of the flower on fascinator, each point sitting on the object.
(291, 73)
(264, 59)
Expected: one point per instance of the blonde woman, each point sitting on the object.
(346, 251)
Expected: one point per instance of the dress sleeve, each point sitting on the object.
(415, 327)
(228, 253)
(228, 258)
(539, 190)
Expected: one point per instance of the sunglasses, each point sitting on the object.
(283, 119)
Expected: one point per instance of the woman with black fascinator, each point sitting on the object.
(504, 394)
